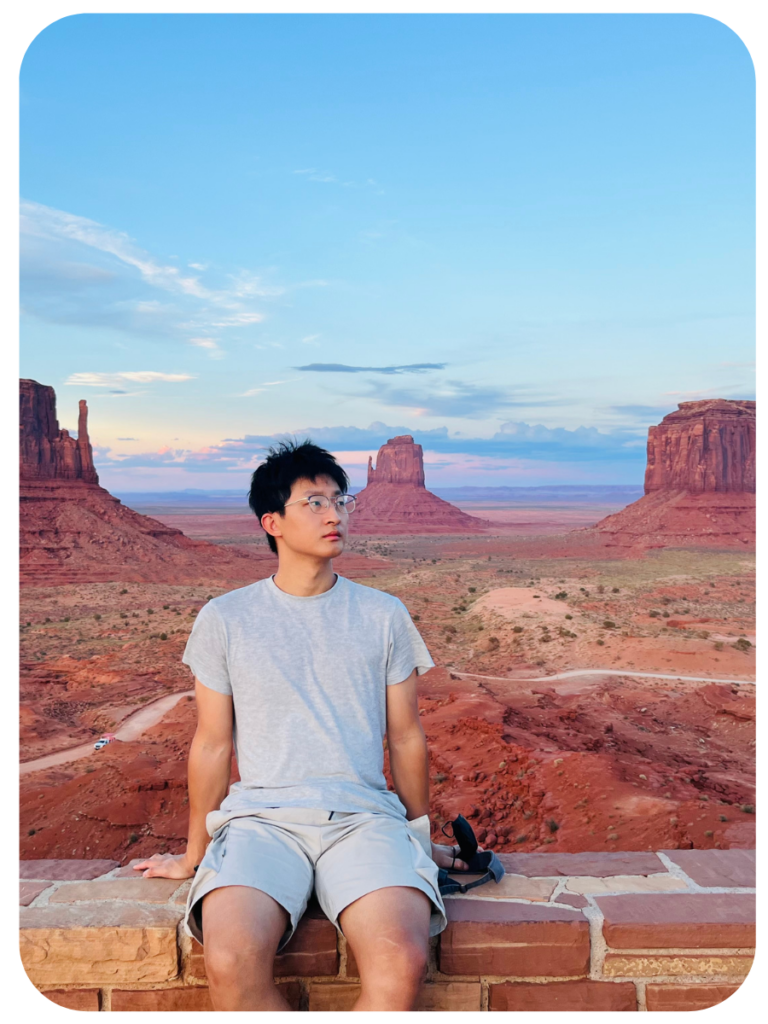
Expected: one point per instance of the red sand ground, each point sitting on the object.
(587, 763)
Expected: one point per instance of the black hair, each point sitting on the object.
(286, 463)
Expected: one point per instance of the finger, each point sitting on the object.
(460, 865)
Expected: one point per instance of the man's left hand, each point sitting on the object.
(443, 856)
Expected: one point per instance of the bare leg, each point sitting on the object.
(388, 930)
(242, 927)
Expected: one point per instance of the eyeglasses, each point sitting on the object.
(318, 503)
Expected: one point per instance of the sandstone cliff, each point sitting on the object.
(73, 530)
(45, 451)
(396, 500)
(699, 481)
(704, 447)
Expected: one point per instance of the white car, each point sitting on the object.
(100, 743)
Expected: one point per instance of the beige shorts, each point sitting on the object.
(287, 852)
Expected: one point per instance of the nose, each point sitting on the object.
(333, 516)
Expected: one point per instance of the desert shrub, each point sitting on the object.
(47, 619)
(493, 641)
(665, 615)
(742, 644)
(450, 629)
(600, 588)
(719, 645)
(561, 596)
(521, 839)
(615, 590)
(166, 607)
(209, 598)
(600, 642)
(132, 838)
(473, 590)
(654, 614)
(569, 616)
(517, 629)
(552, 825)
(747, 808)
(163, 636)
(150, 611)
(65, 619)
(124, 590)
(608, 624)
(97, 616)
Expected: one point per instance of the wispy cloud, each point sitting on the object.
(210, 345)
(344, 368)
(102, 380)
(77, 271)
(327, 178)
(262, 387)
(458, 398)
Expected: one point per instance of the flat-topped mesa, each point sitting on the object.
(704, 447)
(699, 481)
(400, 461)
(45, 451)
(396, 499)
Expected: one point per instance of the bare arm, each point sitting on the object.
(208, 771)
(409, 759)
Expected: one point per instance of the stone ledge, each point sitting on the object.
(668, 930)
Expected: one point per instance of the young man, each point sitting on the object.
(307, 671)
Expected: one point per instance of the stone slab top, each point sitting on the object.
(100, 915)
(66, 870)
(506, 913)
(678, 908)
(142, 890)
(592, 864)
(29, 891)
(726, 868)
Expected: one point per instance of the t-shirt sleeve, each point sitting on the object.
(407, 651)
(206, 650)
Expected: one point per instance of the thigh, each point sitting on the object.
(243, 923)
(252, 855)
(373, 852)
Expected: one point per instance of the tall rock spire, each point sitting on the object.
(45, 451)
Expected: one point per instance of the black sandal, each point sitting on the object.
(477, 862)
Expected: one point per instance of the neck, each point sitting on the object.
(302, 576)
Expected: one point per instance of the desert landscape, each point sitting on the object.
(595, 679)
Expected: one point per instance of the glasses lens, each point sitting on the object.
(319, 503)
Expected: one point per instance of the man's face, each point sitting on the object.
(311, 533)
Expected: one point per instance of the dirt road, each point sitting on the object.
(131, 729)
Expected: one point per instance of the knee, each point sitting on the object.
(236, 963)
(401, 965)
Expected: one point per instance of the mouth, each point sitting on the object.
(331, 536)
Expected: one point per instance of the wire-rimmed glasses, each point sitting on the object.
(319, 503)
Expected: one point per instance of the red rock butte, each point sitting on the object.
(396, 499)
(72, 530)
(699, 481)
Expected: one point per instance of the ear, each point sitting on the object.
(270, 522)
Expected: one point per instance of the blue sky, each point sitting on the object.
(522, 238)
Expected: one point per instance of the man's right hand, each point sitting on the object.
(166, 865)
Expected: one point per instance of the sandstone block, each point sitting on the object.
(563, 996)
(142, 890)
(332, 996)
(717, 867)
(29, 891)
(74, 998)
(682, 920)
(92, 943)
(625, 883)
(647, 966)
(593, 864)
(572, 900)
(686, 997)
(513, 939)
(438, 996)
(510, 887)
(173, 999)
(65, 870)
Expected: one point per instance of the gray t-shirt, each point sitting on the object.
(308, 678)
